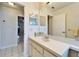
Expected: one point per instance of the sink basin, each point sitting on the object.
(40, 37)
(46, 39)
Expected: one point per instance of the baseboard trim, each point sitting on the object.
(13, 45)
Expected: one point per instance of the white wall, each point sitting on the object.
(9, 27)
(72, 17)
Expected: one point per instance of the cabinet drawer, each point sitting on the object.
(37, 47)
(35, 53)
(73, 53)
(30, 50)
(48, 54)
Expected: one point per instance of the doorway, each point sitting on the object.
(50, 23)
(59, 28)
(20, 29)
(57, 25)
(21, 33)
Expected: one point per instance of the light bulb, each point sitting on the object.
(10, 3)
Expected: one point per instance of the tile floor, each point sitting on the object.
(12, 51)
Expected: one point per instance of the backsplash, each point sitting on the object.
(35, 29)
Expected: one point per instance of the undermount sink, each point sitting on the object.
(46, 39)
(40, 37)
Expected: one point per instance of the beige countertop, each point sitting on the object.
(59, 48)
(73, 44)
(57, 44)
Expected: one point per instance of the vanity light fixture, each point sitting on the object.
(10, 3)
(49, 3)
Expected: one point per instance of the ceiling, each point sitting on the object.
(59, 5)
(17, 6)
(56, 5)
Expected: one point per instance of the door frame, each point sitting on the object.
(17, 25)
(48, 23)
(65, 24)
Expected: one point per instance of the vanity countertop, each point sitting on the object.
(58, 45)
(73, 44)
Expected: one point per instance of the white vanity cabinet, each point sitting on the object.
(37, 51)
(48, 54)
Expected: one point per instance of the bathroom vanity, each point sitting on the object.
(40, 47)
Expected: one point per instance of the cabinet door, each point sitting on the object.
(35, 53)
(36, 46)
(48, 54)
(30, 50)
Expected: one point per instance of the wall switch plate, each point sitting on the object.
(3, 20)
(78, 54)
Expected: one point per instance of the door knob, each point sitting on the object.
(63, 32)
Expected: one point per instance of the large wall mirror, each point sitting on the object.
(42, 21)
(33, 21)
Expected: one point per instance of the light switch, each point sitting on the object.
(3, 20)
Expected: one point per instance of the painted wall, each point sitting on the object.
(72, 17)
(9, 27)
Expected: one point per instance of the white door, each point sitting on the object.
(9, 28)
(59, 25)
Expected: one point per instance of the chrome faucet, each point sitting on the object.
(38, 34)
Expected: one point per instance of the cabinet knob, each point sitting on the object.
(63, 32)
